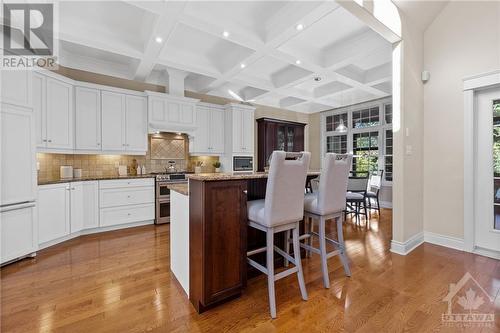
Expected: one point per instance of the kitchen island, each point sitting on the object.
(219, 237)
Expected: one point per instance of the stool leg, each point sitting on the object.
(270, 271)
(287, 246)
(340, 238)
(298, 263)
(322, 249)
(310, 240)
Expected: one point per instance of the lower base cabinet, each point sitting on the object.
(67, 209)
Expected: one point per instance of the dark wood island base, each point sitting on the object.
(219, 237)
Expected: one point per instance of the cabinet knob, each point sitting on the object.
(129, 214)
(50, 140)
(98, 143)
(44, 140)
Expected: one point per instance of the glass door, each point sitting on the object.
(487, 173)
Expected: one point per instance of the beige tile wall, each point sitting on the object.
(105, 165)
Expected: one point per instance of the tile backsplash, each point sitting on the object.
(106, 165)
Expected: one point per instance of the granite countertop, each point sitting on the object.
(90, 178)
(236, 176)
(182, 188)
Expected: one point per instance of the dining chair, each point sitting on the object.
(281, 210)
(356, 196)
(374, 186)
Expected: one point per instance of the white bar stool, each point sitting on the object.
(281, 210)
(328, 203)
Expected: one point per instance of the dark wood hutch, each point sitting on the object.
(276, 134)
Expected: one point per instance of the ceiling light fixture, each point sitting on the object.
(299, 27)
(225, 34)
(243, 65)
(159, 39)
(297, 62)
(341, 127)
(317, 78)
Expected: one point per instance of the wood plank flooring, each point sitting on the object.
(120, 282)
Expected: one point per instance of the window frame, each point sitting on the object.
(381, 129)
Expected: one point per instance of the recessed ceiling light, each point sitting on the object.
(299, 27)
(225, 34)
(317, 78)
(297, 62)
(159, 40)
(243, 65)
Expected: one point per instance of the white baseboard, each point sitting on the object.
(487, 253)
(403, 248)
(443, 240)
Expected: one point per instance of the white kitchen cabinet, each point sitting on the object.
(136, 131)
(240, 120)
(18, 229)
(18, 155)
(53, 107)
(124, 122)
(17, 87)
(87, 118)
(90, 197)
(171, 113)
(209, 135)
(113, 121)
(53, 212)
(76, 208)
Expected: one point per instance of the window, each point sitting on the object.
(368, 136)
(388, 113)
(336, 144)
(365, 151)
(332, 122)
(388, 155)
(365, 118)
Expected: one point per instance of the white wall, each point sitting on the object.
(463, 40)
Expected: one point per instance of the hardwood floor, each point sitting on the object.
(120, 282)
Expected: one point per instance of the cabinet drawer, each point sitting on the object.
(111, 197)
(116, 183)
(126, 214)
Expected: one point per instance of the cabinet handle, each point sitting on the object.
(98, 143)
(44, 140)
(50, 140)
(73, 188)
(129, 214)
(128, 196)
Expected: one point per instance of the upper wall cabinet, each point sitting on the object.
(110, 121)
(16, 88)
(53, 107)
(124, 122)
(240, 120)
(169, 113)
(209, 135)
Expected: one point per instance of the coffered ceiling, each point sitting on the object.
(303, 56)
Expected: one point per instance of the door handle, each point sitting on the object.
(17, 207)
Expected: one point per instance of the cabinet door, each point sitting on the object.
(39, 110)
(157, 110)
(18, 155)
(187, 116)
(87, 118)
(90, 196)
(17, 87)
(76, 207)
(18, 231)
(237, 131)
(216, 130)
(248, 131)
(53, 212)
(113, 121)
(59, 114)
(201, 138)
(136, 131)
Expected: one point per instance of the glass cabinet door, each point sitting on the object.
(290, 138)
(281, 138)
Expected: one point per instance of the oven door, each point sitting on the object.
(162, 211)
(162, 191)
(242, 163)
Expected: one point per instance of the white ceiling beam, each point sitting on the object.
(163, 29)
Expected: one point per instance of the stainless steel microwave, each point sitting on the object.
(242, 163)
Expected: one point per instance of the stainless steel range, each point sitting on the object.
(163, 194)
